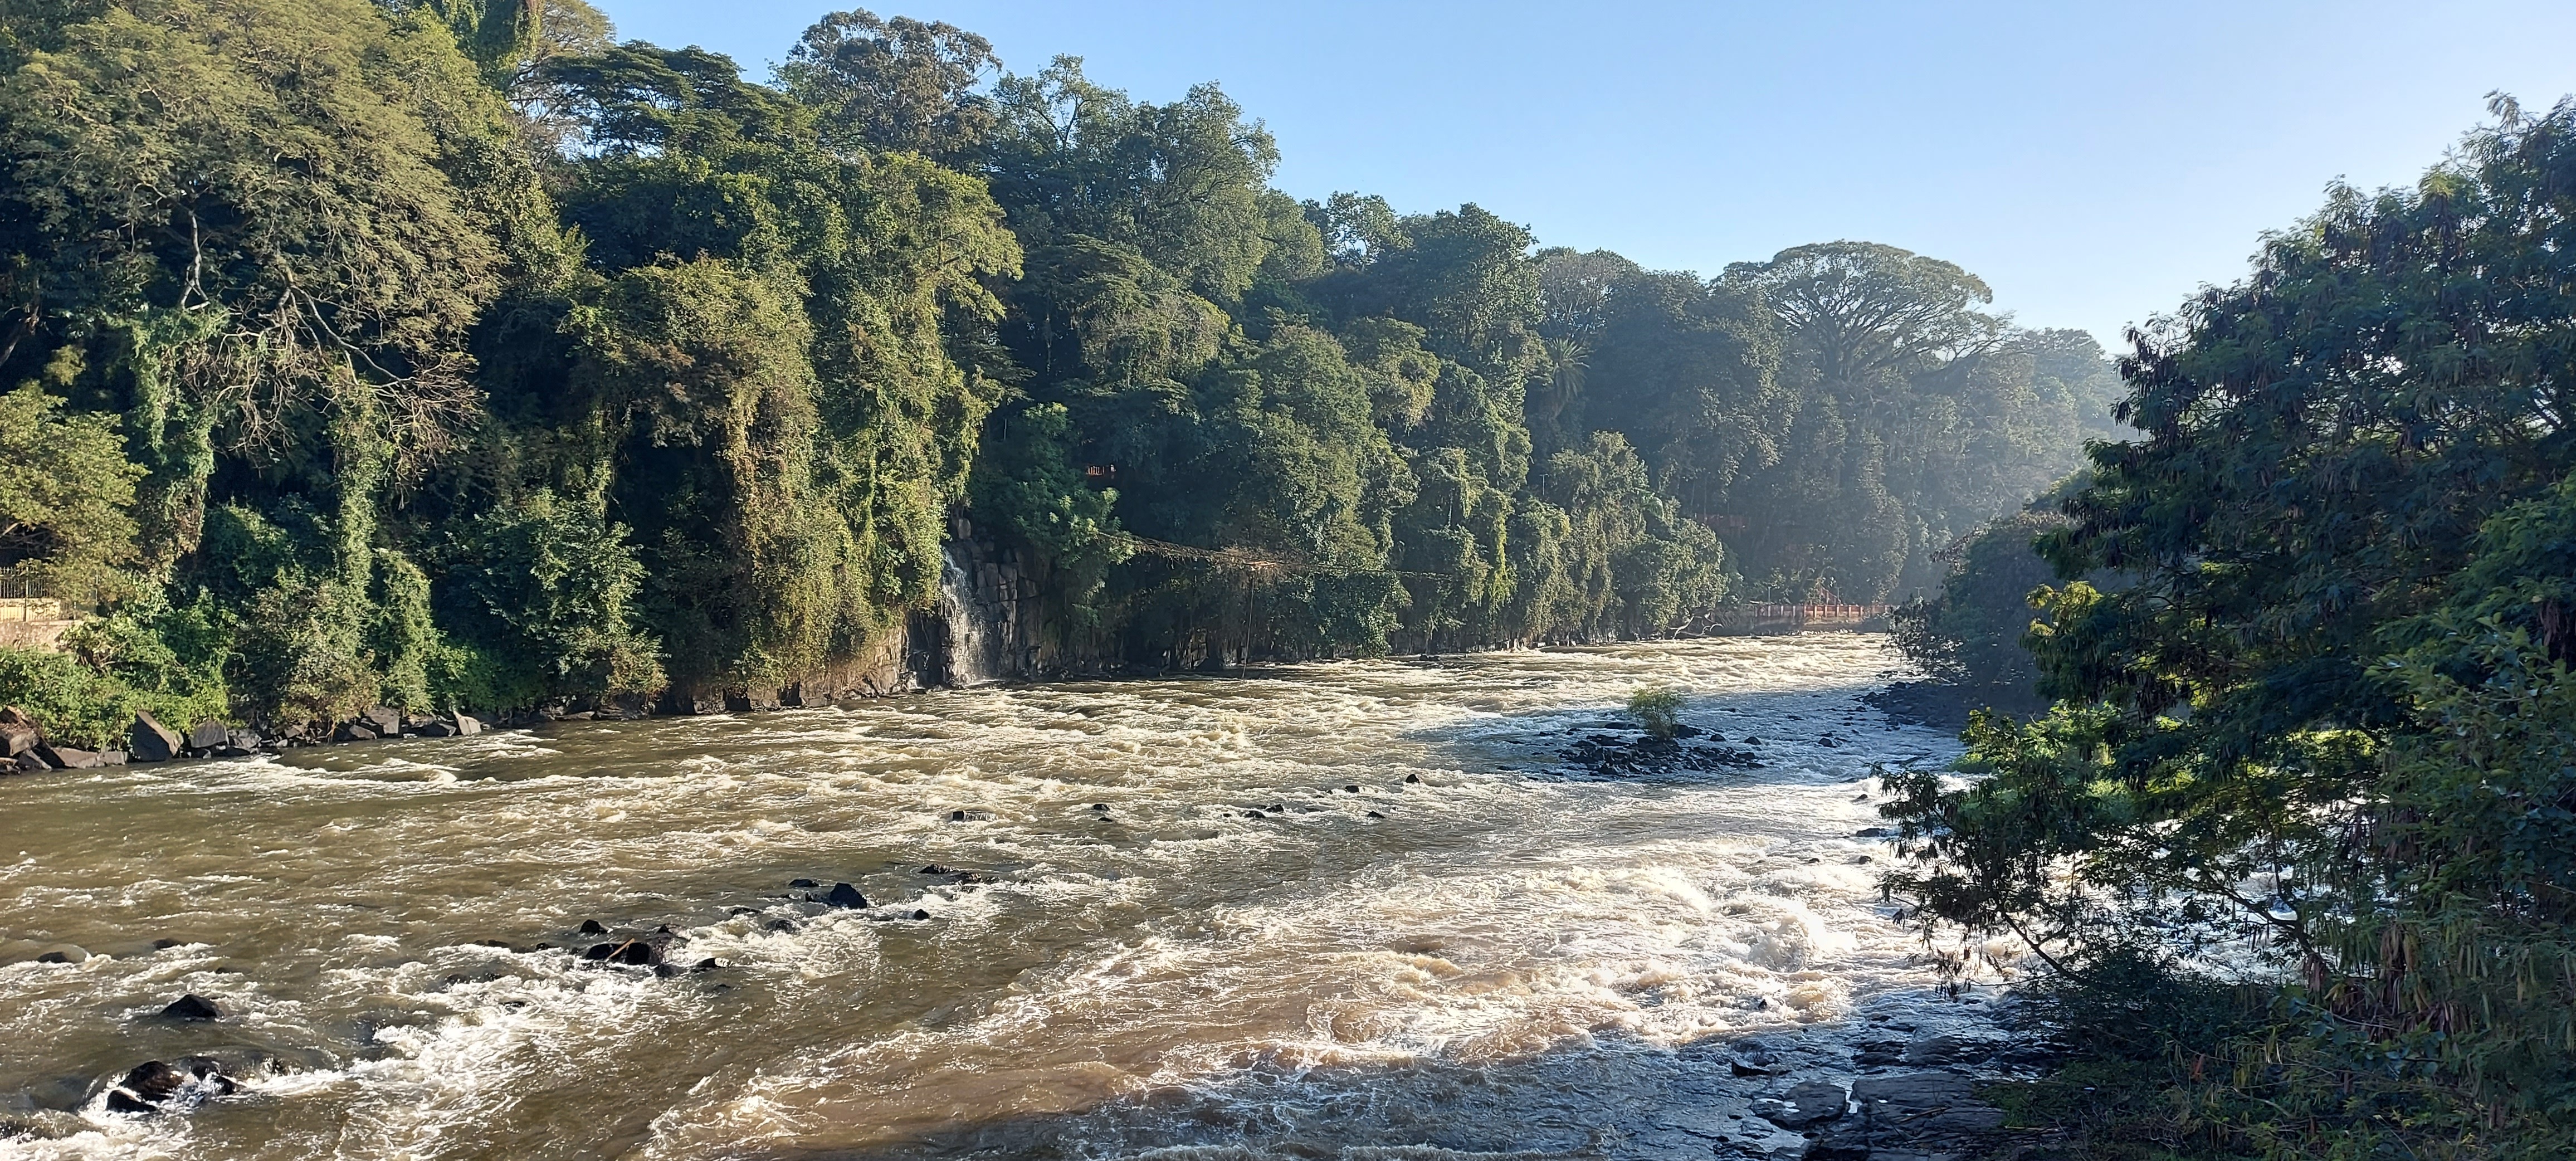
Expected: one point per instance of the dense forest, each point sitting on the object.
(2290, 845)
(451, 352)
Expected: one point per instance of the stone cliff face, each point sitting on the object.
(986, 626)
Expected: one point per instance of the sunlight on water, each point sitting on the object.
(1238, 953)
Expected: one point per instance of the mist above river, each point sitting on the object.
(1239, 952)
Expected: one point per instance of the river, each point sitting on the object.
(1238, 957)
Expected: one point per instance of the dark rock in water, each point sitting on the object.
(803, 883)
(466, 725)
(1353, 788)
(31, 763)
(1100, 806)
(633, 952)
(742, 911)
(936, 869)
(956, 816)
(845, 895)
(1374, 814)
(150, 741)
(355, 731)
(155, 1085)
(147, 1088)
(1812, 1103)
(67, 758)
(243, 739)
(1851, 1145)
(435, 728)
(706, 965)
(193, 1007)
(65, 954)
(1750, 740)
(1873, 832)
(165, 943)
(1254, 814)
(920, 914)
(592, 927)
(1413, 778)
(208, 734)
(1686, 730)
(788, 925)
(386, 721)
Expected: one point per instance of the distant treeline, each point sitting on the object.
(451, 352)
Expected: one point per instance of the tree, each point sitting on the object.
(894, 84)
(2322, 715)
(66, 491)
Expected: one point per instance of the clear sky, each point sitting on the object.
(2093, 161)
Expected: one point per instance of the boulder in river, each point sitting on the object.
(592, 927)
(845, 895)
(386, 720)
(1812, 1103)
(27, 763)
(193, 1007)
(208, 734)
(466, 724)
(68, 758)
(355, 731)
(154, 1086)
(634, 952)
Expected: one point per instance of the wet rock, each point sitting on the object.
(386, 721)
(803, 883)
(157, 1086)
(956, 816)
(67, 758)
(150, 741)
(355, 731)
(1353, 788)
(1948, 1050)
(208, 734)
(632, 952)
(67, 953)
(1873, 832)
(708, 964)
(29, 763)
(936, 869)
(920, 914)
(466, 725)
(1413, 778)
(192, 1007)
(1686, 730)
(786, 925)
(845, 896)
(1812, 1103)
(436, 728)
(1102, 807)
(1254, 814)
(1374, 814)
(592, 927)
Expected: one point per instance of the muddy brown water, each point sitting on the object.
(1506, 957)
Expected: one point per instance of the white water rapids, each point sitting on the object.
(1507, 957)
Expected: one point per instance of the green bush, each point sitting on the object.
(1656, 708)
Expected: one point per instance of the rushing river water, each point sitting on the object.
(1509, 956)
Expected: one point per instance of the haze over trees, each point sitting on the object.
(452, 351)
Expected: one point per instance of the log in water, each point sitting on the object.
(1163, 920)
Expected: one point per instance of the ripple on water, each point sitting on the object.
(1239, 951)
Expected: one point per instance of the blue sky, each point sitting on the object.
(2095, 162)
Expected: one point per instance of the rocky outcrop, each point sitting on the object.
(150, 741)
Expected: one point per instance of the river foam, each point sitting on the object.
(1238, 954)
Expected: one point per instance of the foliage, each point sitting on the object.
(2324, 720)
(1657, 709)
(66, 490)
(464, 353)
